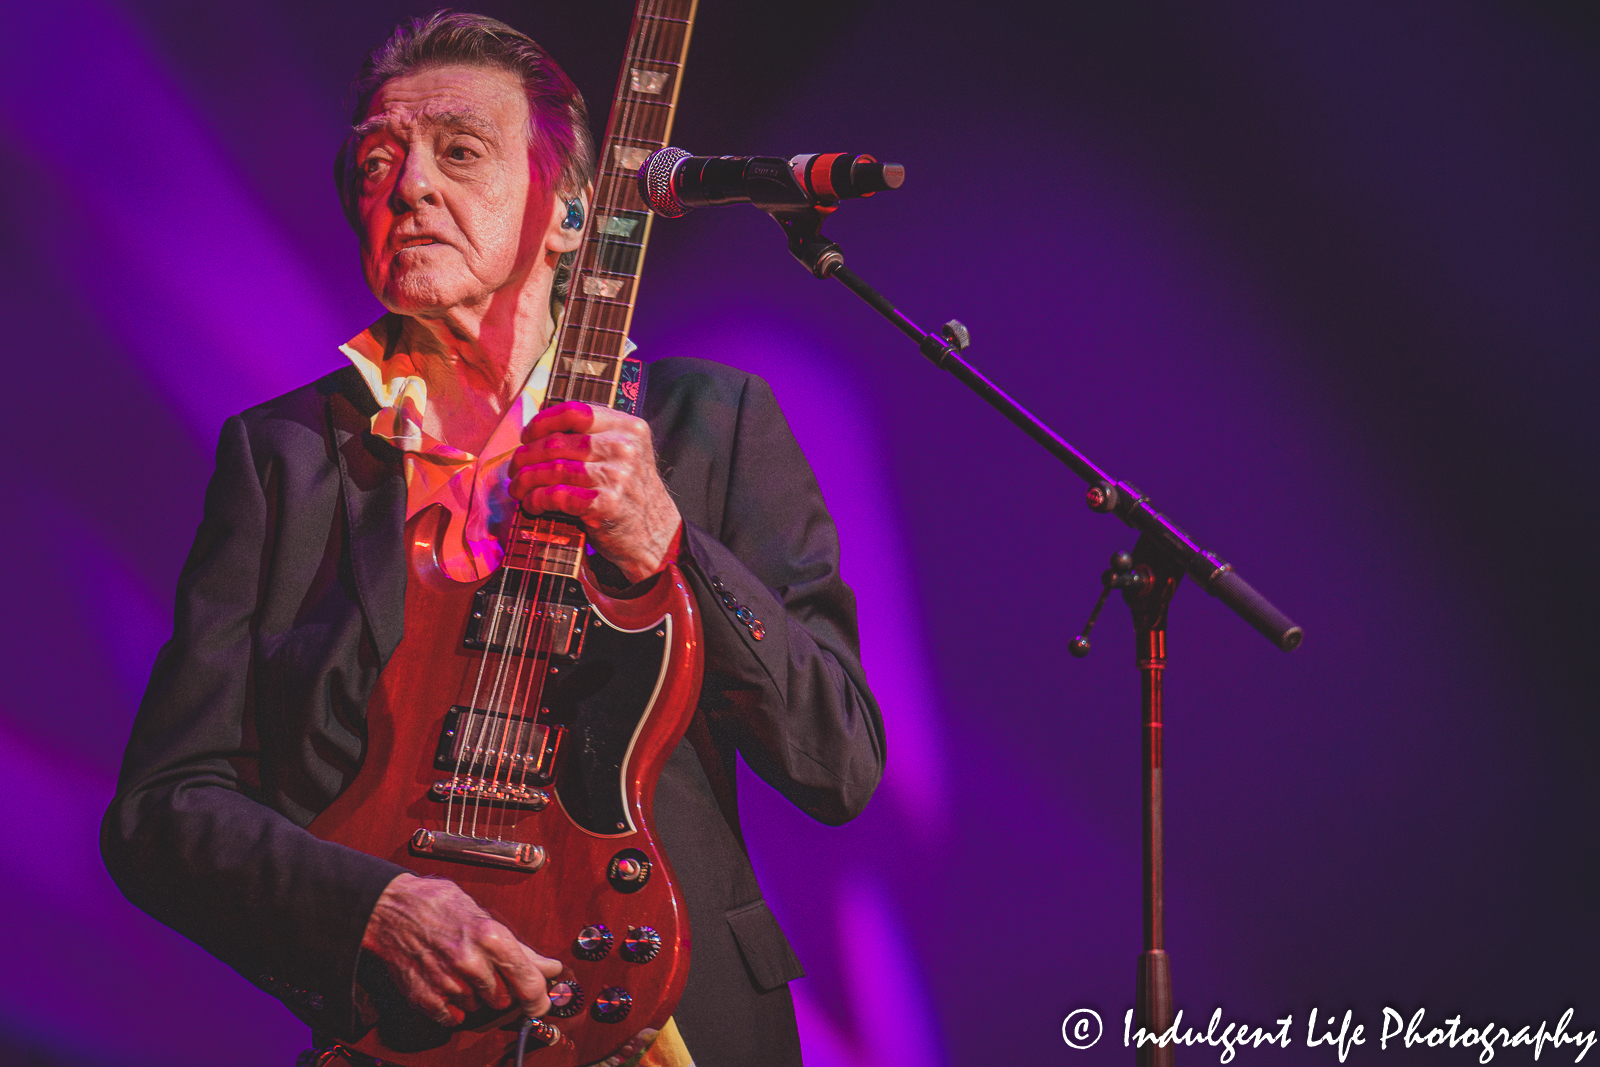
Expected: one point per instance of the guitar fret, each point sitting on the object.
(597, 309)
(581, 353)
(591, 328)
(629, 199)
(595, 364)
(649, 127)
(627, 183)
(592, 354)
(547, 546)
(587, 391)
(611, 319)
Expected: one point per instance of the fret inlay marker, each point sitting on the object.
(592, 367)
(606, 287)
(630, 158)
(618, 226)
(648, 81)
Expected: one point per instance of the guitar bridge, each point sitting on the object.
(490, 852)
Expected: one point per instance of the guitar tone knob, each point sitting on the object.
(612, 1005)
(566, 998)
(640, 944)
(592, 942)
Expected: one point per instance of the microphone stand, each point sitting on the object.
(1148, 577)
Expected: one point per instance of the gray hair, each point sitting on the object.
(558, 121)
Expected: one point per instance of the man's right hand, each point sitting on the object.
(449, 957)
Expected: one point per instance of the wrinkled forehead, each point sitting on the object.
(486, 102)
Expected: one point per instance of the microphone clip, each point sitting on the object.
(803, 226)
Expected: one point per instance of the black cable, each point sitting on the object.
(522, 1039)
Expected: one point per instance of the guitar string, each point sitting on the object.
(523, 610)
(495, 751)
(510, 740)
(508, 729)
(613, 187)
(508, 649)
(600, 240)
(497, 694)
(539, 628)
(467, 726)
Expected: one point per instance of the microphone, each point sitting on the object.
(672, 181)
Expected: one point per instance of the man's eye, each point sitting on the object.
(373, 166)
(459, 153)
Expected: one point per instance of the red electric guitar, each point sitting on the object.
(516, 735)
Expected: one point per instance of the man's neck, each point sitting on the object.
(475, 366)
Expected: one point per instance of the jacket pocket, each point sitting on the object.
(766, 951)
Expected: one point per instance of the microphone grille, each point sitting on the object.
(655, 182)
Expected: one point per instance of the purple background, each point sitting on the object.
(1320, 278)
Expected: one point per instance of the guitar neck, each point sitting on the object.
(605, 281)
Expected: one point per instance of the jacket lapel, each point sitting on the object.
(374, 484)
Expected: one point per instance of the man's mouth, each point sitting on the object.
(414, 242)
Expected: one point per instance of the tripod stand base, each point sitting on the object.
(1152, 1008)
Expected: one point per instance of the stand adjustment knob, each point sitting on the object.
(955, 333)
(1122, 574)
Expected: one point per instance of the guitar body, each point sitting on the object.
(614, 712)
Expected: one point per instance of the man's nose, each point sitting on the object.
(415, 184)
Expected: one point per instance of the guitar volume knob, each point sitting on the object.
(612, 1005)
(593, 942)
(640, 944)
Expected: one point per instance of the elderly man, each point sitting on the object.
(466, 178)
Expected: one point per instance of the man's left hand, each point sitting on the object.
(599, 465)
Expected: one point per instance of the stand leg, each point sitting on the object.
(1153, 993)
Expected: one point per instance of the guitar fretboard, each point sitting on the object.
(605, 282)
(606, 275)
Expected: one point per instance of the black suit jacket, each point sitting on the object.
(291, 601)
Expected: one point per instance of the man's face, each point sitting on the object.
(448, 216)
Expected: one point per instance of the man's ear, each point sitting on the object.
(569, 215)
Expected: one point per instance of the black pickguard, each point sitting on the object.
(600, 701)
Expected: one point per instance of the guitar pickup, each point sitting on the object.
(491, 852)
(529, 613)
(507, 621)
(510, 748)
